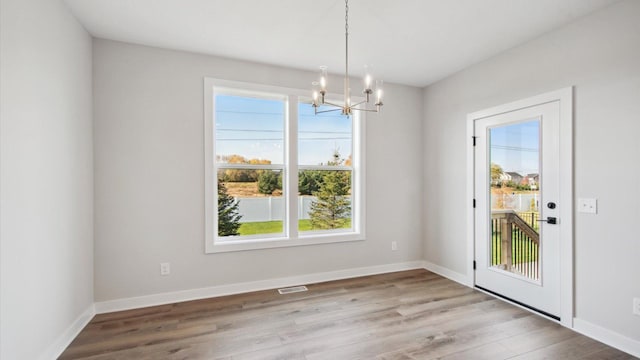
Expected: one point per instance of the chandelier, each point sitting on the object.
(347, 108)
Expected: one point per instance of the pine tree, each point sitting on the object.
(332, 207)
(309, 181)
(269, 181)
(228, 216)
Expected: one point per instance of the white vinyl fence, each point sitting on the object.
(517, 202)
(271, 208)
(254, 209)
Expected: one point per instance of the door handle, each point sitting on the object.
(549, 220)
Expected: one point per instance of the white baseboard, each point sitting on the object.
(231, 289)
(448, 273)
(607, 336)
(62, 342)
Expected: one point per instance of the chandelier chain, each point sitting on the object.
(346, 17)
(346, 43)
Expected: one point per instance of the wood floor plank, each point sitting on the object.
(576, 347)
(609, 354)
(538, 338)
(458, 339)
(491, 351)
(405, 315)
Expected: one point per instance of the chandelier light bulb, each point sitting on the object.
(379, 90)
(323, 78)
(367, 79)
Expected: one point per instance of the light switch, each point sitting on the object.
(589, 206)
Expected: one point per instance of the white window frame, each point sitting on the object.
(291, 235)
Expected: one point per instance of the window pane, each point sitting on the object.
(249, 130)
(323, 135)
(251, 207)
(325, 201)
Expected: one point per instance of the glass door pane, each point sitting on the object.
(514, 191)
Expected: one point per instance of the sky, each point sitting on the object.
(516, 147)
(254, 129)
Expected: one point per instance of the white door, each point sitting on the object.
(517, 217)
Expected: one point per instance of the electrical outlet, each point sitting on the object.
(165, 269)
(394, 245)
(636, 306)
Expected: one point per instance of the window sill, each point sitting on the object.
(258, 244)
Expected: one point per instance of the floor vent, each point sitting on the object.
(291, 290)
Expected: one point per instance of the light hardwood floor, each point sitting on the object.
(405, 315)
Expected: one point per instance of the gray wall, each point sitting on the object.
(46, 236)
(149, 172)
(600, 55)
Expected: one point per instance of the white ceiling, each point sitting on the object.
(410, 42)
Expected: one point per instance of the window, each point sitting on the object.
(325, 148)
(276, 173)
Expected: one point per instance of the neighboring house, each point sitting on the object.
(514, 176)
(504, 178)
(532, 180)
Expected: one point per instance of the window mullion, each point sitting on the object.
(211, 195)
(325, 167)
(291, 157)
(358, 164)
(249, 166)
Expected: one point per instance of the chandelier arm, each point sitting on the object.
(360, 103)
(366, 110)
(326, 111)
(332, 104)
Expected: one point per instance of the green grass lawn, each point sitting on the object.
(271, 227)
(522, 251)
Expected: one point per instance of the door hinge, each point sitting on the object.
(474, 264)
(474, 203)
(474, 140)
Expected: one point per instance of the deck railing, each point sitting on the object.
(515, 242)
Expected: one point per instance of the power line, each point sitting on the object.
(302, 115)
(332, 138)
(281, 139)
(279, 131)
(248, 112)
(514, 148)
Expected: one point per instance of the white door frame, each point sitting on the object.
(565, 97)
